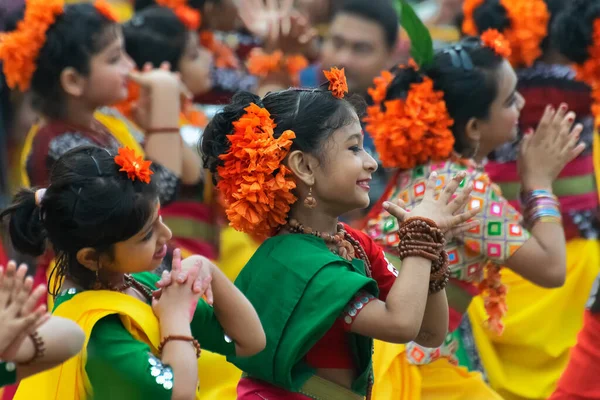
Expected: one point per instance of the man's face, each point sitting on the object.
(359, 46)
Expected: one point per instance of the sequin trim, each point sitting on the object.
(354, 307)
(162, 374)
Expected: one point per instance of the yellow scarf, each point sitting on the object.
(70, 380)
(118, 127)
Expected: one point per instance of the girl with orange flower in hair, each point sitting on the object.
(168, 33)
(72, 60)
(447, 115)
(101, 215)
(545, 77)
(289, 165)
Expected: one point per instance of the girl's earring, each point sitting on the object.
(310, 201)
(97, 285)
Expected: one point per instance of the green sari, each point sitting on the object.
(299, 288)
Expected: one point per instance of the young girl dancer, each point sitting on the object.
(289, 165)
(544, 77)
(101, 215)
(72, 60)
(446, 117)
(156, 35)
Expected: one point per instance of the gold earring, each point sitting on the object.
(97, 285)
(310, 201)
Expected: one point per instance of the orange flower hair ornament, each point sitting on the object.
(337, 82)
(497, 42)
(188, 16)
(528, 27)
(19, 49)
(412, 131)
(256, 186)
(135, 166)
(106, 10)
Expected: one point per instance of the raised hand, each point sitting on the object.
(544, 154)
(180, 273)
(19, 315)
(156, 84)
(266, 20)
(178, 293)
(447, 212)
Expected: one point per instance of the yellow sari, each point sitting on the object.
(70, 380)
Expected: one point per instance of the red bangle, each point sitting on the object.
(162, 130)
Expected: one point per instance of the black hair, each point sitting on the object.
(491, 14)
(76, 35)
(467, 75)
(313, 115)
(381, 12)
(197, 4)
(88, 203)
(155, 35)
(573, 29)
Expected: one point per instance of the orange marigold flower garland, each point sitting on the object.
(135, 166)
(412, 131)
(106, 10)
(497, 42)
(19, 49)
(262, 64)
(528, 27)
(529, 21)
(379, 92)
(337, 82)
(188, 16)
(494, 297)
(257, 187)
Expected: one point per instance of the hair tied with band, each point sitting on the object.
(135, 166)
(188, 16)
(256, 186)
(496, 41)
(19, 49)
(411, 131)
(107, 11)
(337, 82)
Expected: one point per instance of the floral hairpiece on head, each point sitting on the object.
(528, 27)
(188, 16)
(135, 166)
(497, 42)
(104, 8)
(337, 82)
(256, 186)
(19, 49)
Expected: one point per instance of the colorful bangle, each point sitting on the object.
(39, 348)
(190, 339)
(540, 206)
